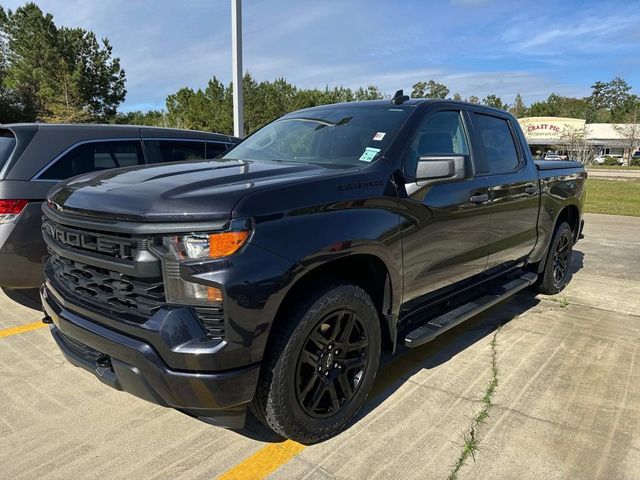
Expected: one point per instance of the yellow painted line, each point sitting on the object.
(7, 332)
(273, 456)
(264, 462)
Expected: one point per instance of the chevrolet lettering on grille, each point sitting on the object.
(112, 246)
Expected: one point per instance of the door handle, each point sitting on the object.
(480, 198)
(531, 190)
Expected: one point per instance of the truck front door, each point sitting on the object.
(446, 229)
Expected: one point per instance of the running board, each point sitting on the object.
(434, 327)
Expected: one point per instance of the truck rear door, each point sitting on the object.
(513, 188)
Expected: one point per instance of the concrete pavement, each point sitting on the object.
(567, 402)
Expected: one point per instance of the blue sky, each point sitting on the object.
(476, 47)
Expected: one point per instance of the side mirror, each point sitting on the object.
(440, 169)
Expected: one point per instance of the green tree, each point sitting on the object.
(559, 106)
(430, 89)
(518, 109)
(370, 93)
(495, 102)
(58, 74)
(473, 99)
(457, 97)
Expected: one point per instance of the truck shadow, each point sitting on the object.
(395, 371)
(29, 297)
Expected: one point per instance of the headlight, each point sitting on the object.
(196, 246)
(213, 245)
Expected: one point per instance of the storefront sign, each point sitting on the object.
(549, 129)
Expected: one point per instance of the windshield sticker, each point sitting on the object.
(379, 136)
(369, 154)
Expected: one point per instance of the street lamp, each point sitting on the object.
(236, 53)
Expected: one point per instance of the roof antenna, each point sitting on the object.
(399, 98)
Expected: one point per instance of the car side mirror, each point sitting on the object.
(440, 169)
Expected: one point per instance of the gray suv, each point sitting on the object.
(34, 157)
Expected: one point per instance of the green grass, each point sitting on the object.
(614, 197)
(470, 442)
(612, 167)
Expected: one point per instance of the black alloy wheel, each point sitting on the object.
(320, 362)
(561, 258)
(555, 275)
(332, 364)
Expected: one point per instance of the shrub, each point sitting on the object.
(611, 161)
(634, 162)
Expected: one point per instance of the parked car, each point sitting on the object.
(274, 277)
(602, 159)
(34, 157)
(552, 156)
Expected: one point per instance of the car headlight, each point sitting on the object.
(199, 246)
(213, 245)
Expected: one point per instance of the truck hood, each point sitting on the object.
(176, 192)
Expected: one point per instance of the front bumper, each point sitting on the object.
(132, 365)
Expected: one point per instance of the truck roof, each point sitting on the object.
(413, 102)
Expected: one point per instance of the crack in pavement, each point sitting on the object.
(469, 439)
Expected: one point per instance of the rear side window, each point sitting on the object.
(498, 150)
(94, 156)
(214, 149)
(7, 144)
(160, 151)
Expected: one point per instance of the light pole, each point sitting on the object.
(236, 53)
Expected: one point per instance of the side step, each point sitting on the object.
(434, 327)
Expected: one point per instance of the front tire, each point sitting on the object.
(320, 365)
(556, 270)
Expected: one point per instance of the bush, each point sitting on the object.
(634, 162)
(611, 161)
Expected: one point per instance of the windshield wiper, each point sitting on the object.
(323, 123)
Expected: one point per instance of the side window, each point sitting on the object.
(160, 151)
(497, 146)
(94, 156)
(440, 134)
(214, 149)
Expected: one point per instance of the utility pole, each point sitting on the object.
(236, 53)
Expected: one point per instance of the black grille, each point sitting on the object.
(213, 320)
(102, 243)
(127, 297)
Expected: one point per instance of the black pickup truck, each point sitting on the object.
(273, 278)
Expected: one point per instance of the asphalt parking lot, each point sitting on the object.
(565, 401)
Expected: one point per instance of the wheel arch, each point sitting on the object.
(366, 270)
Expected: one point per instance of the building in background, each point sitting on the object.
(578, 139)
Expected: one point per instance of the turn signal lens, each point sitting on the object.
(226, 243)
(10, 209)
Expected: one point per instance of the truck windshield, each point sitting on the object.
(7, 144)
(337, 136)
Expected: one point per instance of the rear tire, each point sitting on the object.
(320, 364)
(556, 270)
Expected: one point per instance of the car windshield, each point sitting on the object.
(336, 136)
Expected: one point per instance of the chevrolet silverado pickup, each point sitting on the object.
(271, 279)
